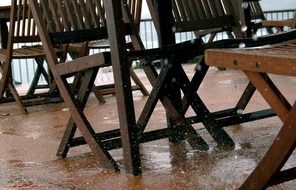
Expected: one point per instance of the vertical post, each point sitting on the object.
(165, 22)
(245, 17)
(3, 33)
(125, 105)
(166, 36)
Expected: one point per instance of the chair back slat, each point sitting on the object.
(135, 10)
(256, 10)
(24, 28)
(194, 15)
(207, 8)
(69, 19)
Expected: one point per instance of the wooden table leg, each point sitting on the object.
(268, 171)
(269, 167)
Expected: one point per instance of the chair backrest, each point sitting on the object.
(74, 20)
(202, 17)
(135, 7)
(22, 27)
(256, 10)
(200, 14)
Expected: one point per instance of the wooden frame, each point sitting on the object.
(132, 130)
(22, 29)
(257, 64)
(181, 22)
(135, 7)
(167, 92)
(74, 27)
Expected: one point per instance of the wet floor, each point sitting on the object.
(28, 144)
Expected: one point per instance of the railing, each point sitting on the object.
(23, 70)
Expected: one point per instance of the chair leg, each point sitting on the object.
(98, 94)
(83, 94)
(268, 171)
(76, 107)
(199, 107)
(39, 70)
(246, 97)
(224, 115)
(17, 98)
(210, 123)
(6, 82)
(139, 83)
(159, 93)
(65, 143)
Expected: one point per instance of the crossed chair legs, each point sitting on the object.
(182, 127)
(76, 101)
(8, 89)
(7, 86)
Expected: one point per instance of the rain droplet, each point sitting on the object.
(174, 80)
(198, 67)
(245, 5)
(192, 41)
(166, 62)
(244, 28)
(0, 76)
(242, 45)
(255, 37)
(174, 29)
(65, 109)
(239, 111)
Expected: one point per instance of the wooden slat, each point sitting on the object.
(84, 63)
(54, 17)
(197, 15)
(277, 59)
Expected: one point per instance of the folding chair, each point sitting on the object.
(72, 21)
(171, 80)
(257, 63)
(103, 45)
(22, 29)
(183, 23)
(63, 22)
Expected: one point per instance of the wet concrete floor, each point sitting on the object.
(28, 144)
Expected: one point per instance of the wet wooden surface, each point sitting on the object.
(29, 143)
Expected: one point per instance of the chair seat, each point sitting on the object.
(26, 52)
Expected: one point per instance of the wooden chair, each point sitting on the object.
(220, 19)
(66, 22)
(103, 45)
(257, 63)
(22, 29)
(171, 82)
